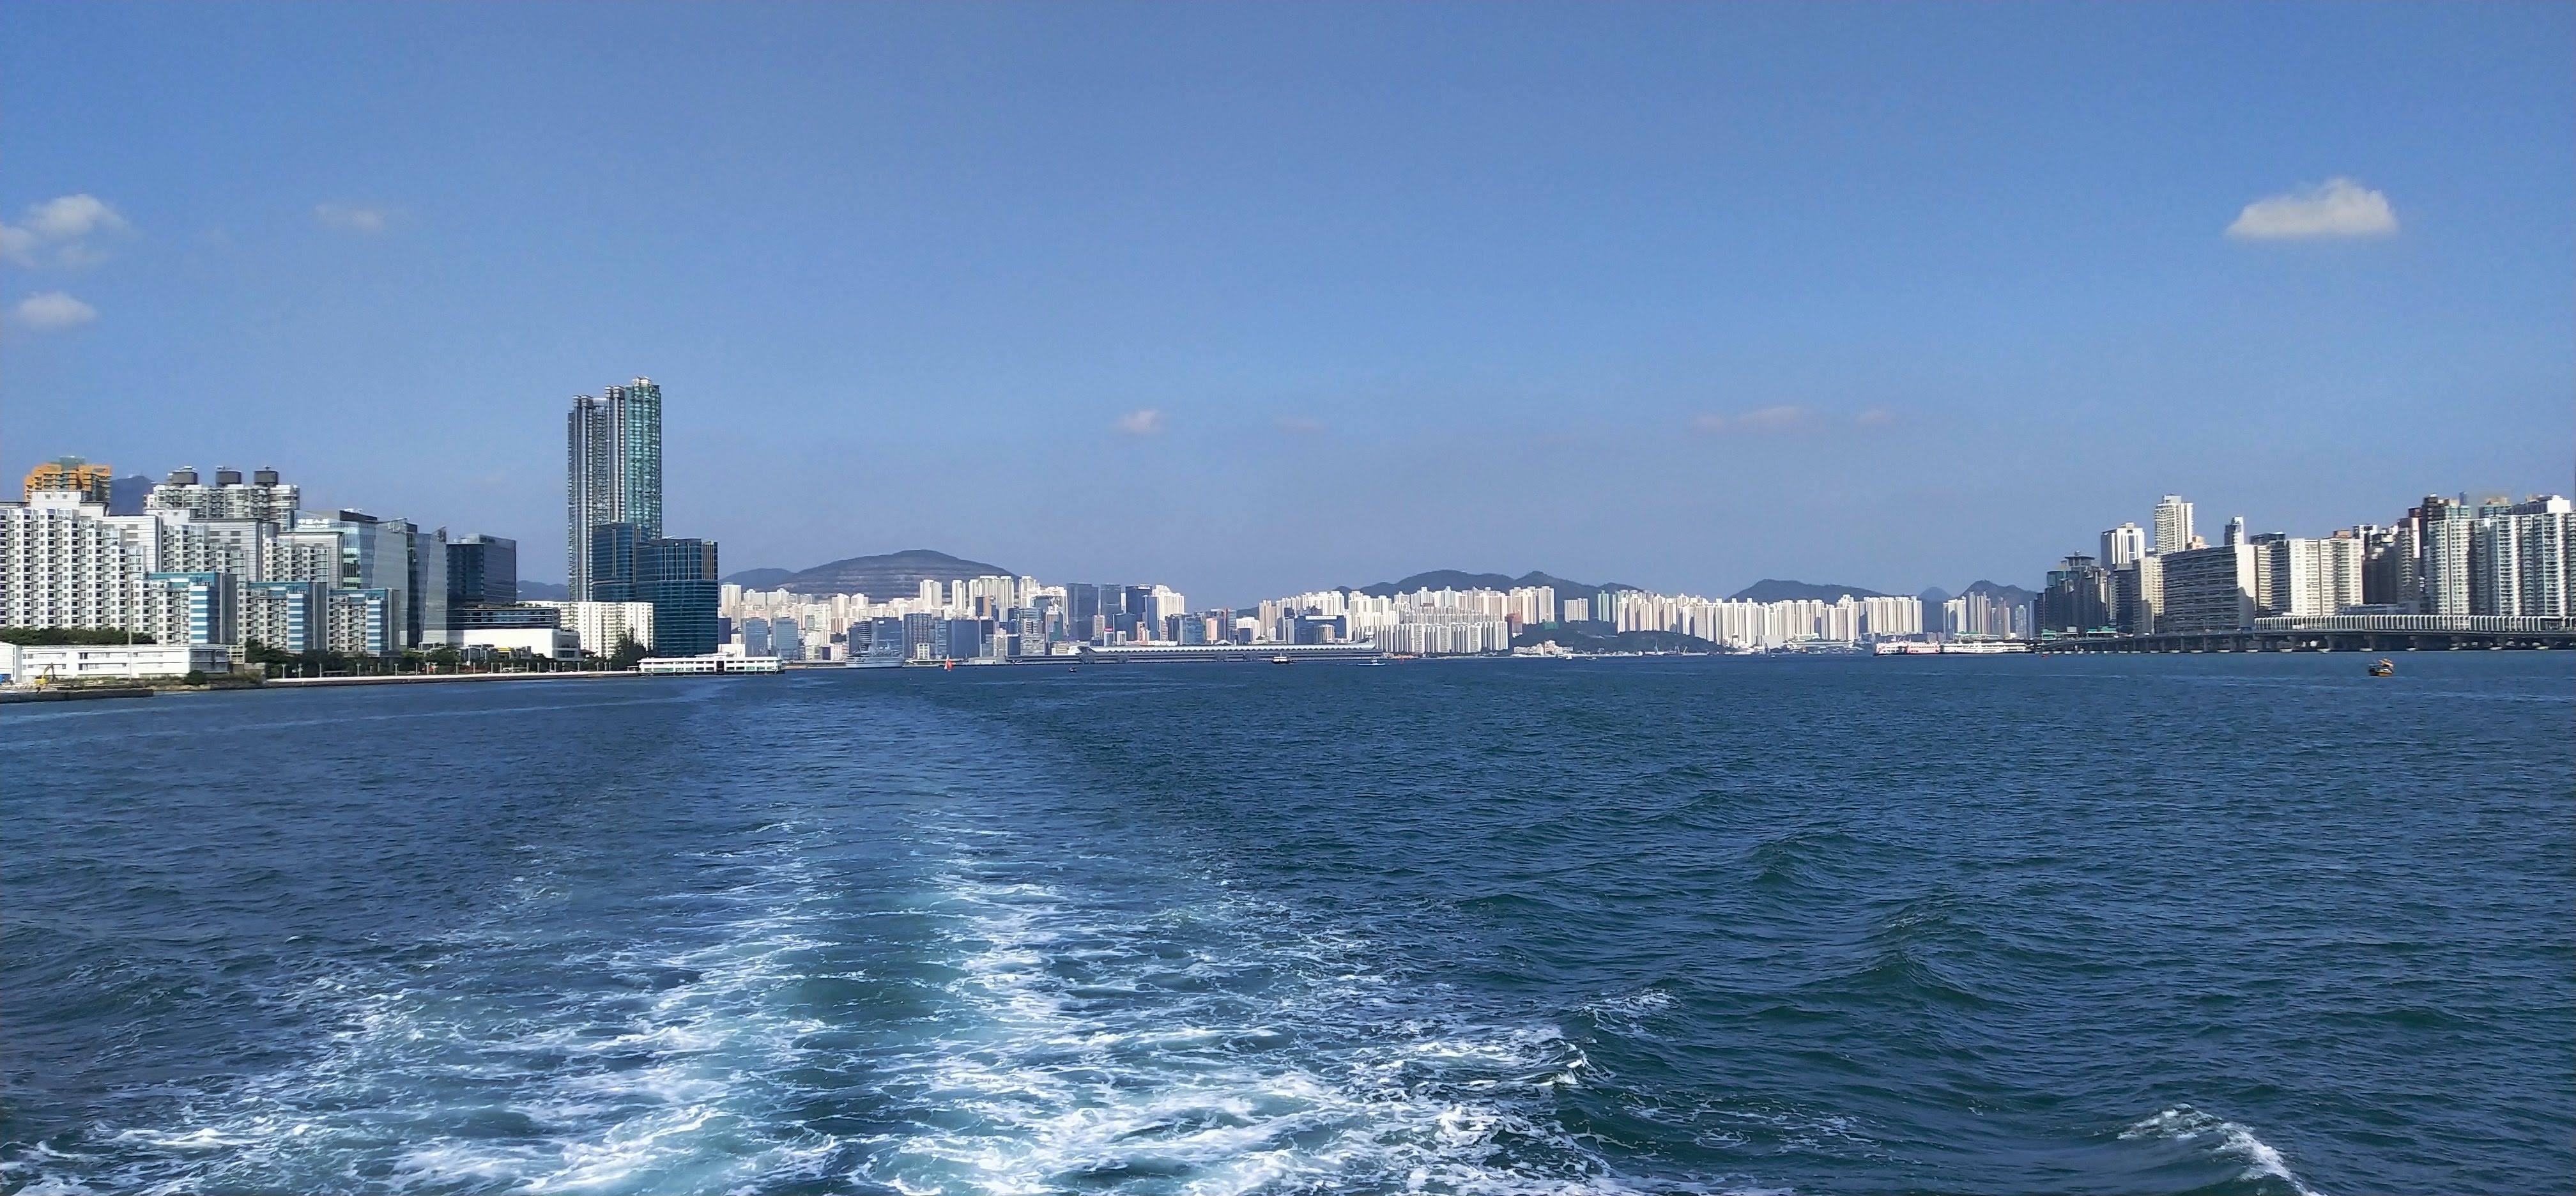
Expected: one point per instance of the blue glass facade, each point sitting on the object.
(678, 577)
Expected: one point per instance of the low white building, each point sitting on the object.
(598, 626)
(26, 664)
(553, 643)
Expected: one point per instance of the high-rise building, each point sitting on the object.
(678, 577)
(2123, 544)
(2448, 531)
(612, 471)
(262, 497)
(285, 615)
(482, 571)
(2305, 577)
(2077, 599)
(2235, 533)
(192, 608)
(65, 562)
(2210, 589)
(2137, 594)
(93, 481)
(2172, 524)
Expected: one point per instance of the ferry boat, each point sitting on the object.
(2385, 668)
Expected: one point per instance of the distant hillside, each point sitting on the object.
(759, 579)
(1453, 579)
(2003, 592)
(1597, 637)
(1772, 589)
(543, 591)
(886, 575)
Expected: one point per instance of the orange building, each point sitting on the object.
(71, 473)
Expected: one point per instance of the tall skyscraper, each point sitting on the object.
(2173, 524)
(612, 471)
(2123, 544)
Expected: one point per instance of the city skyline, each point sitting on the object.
(1246, 301)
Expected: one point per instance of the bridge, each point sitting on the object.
(2345, 633)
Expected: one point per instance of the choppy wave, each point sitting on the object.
(2185, 1124)
(646, 1073)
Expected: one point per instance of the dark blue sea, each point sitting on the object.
(2211, 924)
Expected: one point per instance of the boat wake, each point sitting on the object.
(1221, 1049)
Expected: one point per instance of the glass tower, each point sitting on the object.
(612, 472)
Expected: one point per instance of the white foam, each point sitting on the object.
(2183, 1123)
(1072, 1059)
(401, 1056)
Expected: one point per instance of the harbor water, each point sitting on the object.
(2182, 924)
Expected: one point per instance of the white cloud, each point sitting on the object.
(59, 232)
(52, 309)
(2338, 207)
(352, 218)
(1145, 422)
(74, 216)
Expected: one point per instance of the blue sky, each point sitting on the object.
(1251, 299)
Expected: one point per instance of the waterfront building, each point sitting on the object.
(2309, 577)
(364, 621)
(376, 559)
(2210, 589)
(553, 643)
(94, 482)
(678, 576)
(482, 571)
(1891, 617)
(613, 569)
(786, 640)
(2449, 530)
(2123, 544)
(289, 616)
(1982, 615)
(191, 608)
(2077, 599)
(612, 471)
(2137, 595)
(599, 626)
(93, 662)
(2172, 524)
(64, 562)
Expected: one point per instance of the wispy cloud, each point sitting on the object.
(1147, 421)
(353, 218)
(1780, 418)
(2338, 207)
(65, 232)
(1789, 417)
(49, 310)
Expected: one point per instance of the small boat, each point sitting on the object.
(1282, 658)
(2385, 668)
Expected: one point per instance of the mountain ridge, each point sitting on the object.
(881, 576)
